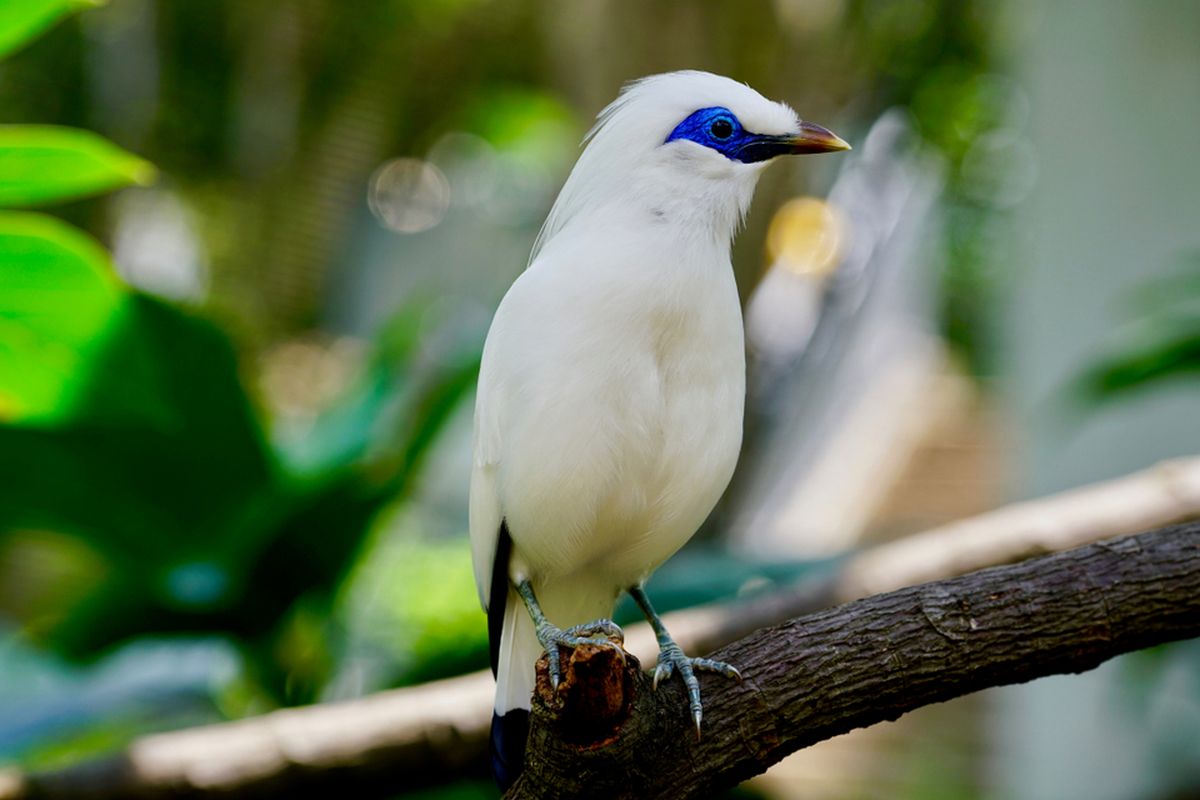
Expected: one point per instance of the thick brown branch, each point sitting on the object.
(873, 660)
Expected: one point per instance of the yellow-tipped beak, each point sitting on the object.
(814, 138)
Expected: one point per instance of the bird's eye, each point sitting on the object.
(721, 128)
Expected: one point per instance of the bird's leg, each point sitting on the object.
(672, 658)
(601, 632)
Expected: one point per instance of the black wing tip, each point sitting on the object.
(507, 746)
(498, 596)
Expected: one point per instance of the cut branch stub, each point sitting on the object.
(595, 697)
(604, 704)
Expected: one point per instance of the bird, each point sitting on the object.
(608, 412)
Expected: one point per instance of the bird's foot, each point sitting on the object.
(600, 633)
(671, 659)
(599, 628)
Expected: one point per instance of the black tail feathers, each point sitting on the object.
(507, 746)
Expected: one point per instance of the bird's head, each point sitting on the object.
(683, 147)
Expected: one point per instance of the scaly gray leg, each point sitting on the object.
(601, 632)
(672, 658)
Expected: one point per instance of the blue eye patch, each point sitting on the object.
(718, 129)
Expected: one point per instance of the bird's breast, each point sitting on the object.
(697, 431)
(626, 454)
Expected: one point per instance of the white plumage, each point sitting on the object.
(609, 411)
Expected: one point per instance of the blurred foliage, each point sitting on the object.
(57, 294)
(1159, 343)
(168, 479)
(411, 609)
(135, 460)
(54, 712)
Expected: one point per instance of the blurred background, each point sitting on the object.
(239, 338)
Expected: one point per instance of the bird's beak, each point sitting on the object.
(811, 138)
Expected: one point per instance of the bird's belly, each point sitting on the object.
(694, 459)
(627, 464)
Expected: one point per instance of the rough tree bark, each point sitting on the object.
(860, 663)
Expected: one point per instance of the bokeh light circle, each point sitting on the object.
(408, 195)
(805, 237)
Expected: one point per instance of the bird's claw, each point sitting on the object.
(598, 628)
(600, 633)
(671, 659)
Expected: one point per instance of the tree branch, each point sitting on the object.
(865, 662)
(1165, 494)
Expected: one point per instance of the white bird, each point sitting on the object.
(608, 417)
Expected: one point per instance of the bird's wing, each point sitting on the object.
(485, 524)
(486, 514)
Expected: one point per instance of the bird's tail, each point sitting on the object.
(565, 603)
(518, 651)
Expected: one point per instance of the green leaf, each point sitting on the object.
(1161, 343)
(58, 296)
(1176, 355)
(47, 164)
(21, 21)
(160, 468)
